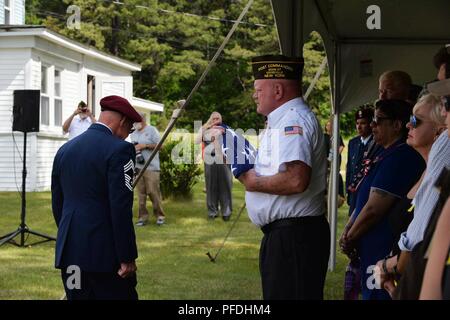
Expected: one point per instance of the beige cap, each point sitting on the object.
(439, 88)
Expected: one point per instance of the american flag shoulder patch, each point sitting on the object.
(293, 130)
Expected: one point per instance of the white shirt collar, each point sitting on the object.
(82, 119)
(364, 141)
(104, 125)
(278, 113)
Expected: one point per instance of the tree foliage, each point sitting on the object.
(177, 179)
(173, 41)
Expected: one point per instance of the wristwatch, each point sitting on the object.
(385, 270)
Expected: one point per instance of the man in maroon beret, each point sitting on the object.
(92, 201)
(118, 112)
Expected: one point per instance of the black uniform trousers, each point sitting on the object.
(100, 286)
(294, 258)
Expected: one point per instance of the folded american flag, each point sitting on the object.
(237, 151)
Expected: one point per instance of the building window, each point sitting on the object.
(58, 99)
(51, 97)
(7, 11)
(45, 101)
(45, 111)
(91, 94)
(44, 79)
(58, 112)
(57, 83)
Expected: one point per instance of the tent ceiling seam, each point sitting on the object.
(331, 30)
(393, 41)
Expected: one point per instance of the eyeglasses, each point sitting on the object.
(415, 122)
(446, 102)
(132, 128)
(387, 91)
(377, 119)
(130, 124)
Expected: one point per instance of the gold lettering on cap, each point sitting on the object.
(262, 67)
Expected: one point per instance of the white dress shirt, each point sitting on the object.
(293, 133)
(78, 126)
(427, 195)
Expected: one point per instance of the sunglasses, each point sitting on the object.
(415, 122)
(377, 120)
(446, 103)
(132, 129)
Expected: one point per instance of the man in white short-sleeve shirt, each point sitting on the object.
(285, 190)
(79, 121)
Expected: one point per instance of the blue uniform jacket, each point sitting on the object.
(92, 201)
(356, 150)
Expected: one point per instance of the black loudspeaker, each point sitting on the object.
(26, 110)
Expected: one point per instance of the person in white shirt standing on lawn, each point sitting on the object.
(145, 138)
(285, 190)
(79, 121)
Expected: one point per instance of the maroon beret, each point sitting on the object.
(121, 105)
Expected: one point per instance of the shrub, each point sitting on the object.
(177, 179)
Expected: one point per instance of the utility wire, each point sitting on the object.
(62, 18)
(259, 25)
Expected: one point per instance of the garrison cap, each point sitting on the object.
(364, 113)
(277, 67)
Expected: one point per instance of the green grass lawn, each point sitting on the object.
(172, 261)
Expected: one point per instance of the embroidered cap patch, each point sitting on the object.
(293, 130)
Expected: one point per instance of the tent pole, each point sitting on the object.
(316, 78)
(334, 176)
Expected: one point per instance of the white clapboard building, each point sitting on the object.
(65, 72)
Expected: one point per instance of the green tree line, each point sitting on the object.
(173, 41)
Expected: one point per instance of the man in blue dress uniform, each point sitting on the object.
(92, 200)
(357, 147)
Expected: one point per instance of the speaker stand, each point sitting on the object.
(23, 228)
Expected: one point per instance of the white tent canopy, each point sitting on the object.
(411, 33)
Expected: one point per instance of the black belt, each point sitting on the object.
(291, 222)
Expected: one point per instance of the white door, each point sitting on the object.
(106, 86)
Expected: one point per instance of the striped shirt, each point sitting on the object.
(427, 195)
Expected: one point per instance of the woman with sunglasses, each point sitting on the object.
(387, 180)
(436, 279)
(414, 242)
(425, 125)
